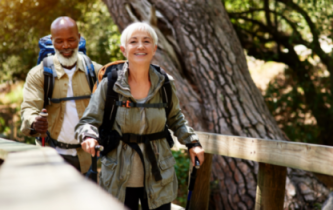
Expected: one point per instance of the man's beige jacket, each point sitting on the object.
(33, 100)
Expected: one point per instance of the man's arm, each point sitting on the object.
(33, 101)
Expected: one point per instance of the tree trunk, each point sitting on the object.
(200, 49)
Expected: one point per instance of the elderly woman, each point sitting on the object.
(139, 170)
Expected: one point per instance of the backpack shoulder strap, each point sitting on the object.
(49, 77)
(166, 90)
(106, 69)
(90, 71)
(112, 97)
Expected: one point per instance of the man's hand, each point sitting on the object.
(199, 152)
(88, 145)
(40, 124)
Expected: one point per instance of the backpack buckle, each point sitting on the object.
(126, 104)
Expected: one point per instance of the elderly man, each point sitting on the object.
(70, 81)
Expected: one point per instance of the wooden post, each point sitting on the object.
(201, 191)
(270, 187)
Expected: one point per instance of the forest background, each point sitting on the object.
(287, 43)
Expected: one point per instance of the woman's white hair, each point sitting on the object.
(137, 26)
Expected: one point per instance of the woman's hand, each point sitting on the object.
(199, 152)
(88, 145)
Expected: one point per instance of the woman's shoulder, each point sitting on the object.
(103, 84)
(162, 72)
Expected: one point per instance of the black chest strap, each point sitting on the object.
(58, 100)
(135, 138)
(129, 104)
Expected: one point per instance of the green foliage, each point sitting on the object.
(103, 37)
(10, 122)
(285, 101)
(182, 170)
(3, 128)
(276, 30)
(24, 22)
(283, 13)
(14, 96)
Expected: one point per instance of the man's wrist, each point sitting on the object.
(32, 130)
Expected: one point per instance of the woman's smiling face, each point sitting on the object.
(140, 47)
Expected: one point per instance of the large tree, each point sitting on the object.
(200, 49)
(276, 30)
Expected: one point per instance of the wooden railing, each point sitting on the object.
(273, 157)
(37, 178)
(309, 157)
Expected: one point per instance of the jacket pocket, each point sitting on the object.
(167, 170)
(108, 170)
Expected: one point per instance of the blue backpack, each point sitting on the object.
(46, 50)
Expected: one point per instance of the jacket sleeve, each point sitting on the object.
(33, 98)
(97, 67)
(176, 120)
(93, 115)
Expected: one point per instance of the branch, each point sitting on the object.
(267, 13)
(245, 12)
(315, 42)
(301, 69)
(279, 37)
(293, 25)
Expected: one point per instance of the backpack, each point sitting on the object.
(46, 50)
(110, 71)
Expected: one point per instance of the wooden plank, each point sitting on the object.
(7, 146)
(39, 179)
(14, 146)
(309, 157)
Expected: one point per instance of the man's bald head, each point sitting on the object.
(63, 23)
(65, 36)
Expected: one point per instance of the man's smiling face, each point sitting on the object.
(65, 38)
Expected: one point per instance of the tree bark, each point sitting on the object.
(200, 49)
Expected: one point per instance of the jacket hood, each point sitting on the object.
(122, 87)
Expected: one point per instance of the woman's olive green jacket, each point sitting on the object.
(116, 164)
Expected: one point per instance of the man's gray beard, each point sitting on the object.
(67, 61)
